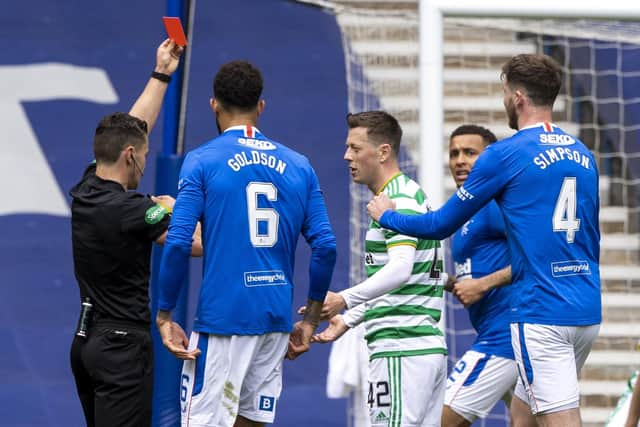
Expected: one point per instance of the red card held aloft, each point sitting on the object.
(174, 30)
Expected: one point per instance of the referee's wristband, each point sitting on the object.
(166, 78)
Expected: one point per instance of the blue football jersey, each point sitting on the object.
(254, 197)
(546, 185)
(480, 248)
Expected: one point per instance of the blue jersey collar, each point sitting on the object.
(547, 126)
(245, 130)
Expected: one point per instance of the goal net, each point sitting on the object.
(599, 102)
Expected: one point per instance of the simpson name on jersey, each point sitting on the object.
(545, 183)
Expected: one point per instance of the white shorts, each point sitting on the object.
(234, 375)
(478, 382)
(549, 359)
(406, 391)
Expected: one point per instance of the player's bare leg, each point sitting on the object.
(566, 418)
(244, 422)
(520, 414)
(451, 418)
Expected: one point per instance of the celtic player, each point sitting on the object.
(402, 299)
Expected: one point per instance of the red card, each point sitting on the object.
(174, 30)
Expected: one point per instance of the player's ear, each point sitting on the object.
(261, 104)
(213, 103)
(128, 153)
(519, 97)
(384, 151)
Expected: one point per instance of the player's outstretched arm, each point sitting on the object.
(435, 225)
(174, 337)
(469, 291)
(487, 178)
(148, 105)
(395, 273)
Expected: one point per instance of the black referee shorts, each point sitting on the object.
(113, 369)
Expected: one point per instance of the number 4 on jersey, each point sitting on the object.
(564, 214)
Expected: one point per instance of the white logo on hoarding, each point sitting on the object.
(29, 185)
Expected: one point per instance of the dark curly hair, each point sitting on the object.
(115, 132)
(539, 75)
(238, 86)
(487, 136)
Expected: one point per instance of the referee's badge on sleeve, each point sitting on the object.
(155, 214)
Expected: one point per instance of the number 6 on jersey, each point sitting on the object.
(257, 215)
(564, 214)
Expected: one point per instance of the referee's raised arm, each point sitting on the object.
(148, 105)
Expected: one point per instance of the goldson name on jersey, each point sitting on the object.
(242, 159)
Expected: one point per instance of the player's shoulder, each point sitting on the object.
(500, 149)
(126, 204)
(206, 148)
(510, 146)
(548, 134)
(261, 143)
(404, 190)
(551, 136)
(505, 144)
(284, 150)
(210, 151)
(133, 199)
(297, 163)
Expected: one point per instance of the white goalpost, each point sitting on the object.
(432, 13)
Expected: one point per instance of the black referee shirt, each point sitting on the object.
(112, 233)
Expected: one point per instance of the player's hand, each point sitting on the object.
(300, 339)
(449, 283)
(168, 57)
(333, 304)
(165, 201)
(174, 337)
(335, 330)
(378, 205)
(469, 291)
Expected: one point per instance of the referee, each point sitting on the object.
(113, 230)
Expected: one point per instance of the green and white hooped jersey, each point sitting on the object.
(404, 322)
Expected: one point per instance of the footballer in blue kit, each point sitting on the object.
(263, 195)
(486, 373)
(546, 185)
(479, 248)
(254, 197)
